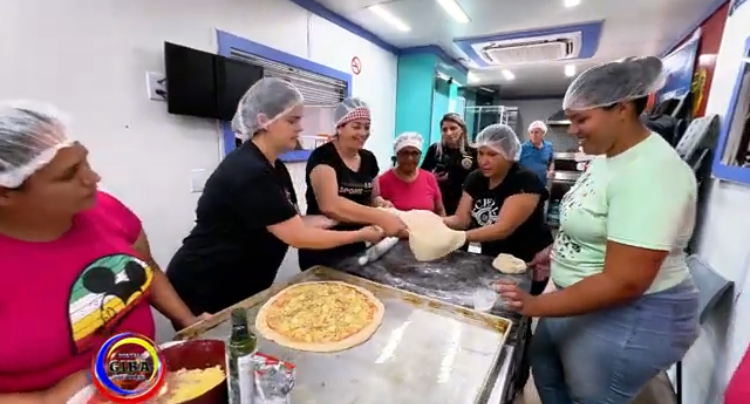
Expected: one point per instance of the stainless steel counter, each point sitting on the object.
(451, 279)
(502, 393)
(424, 351)
(566, 176)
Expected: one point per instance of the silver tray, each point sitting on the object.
(425, 351)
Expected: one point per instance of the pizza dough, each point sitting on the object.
(429, 237)
(324, 316)
(509, 264)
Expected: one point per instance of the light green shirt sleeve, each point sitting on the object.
(647, 212)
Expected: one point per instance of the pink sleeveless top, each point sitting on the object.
(421, 194)
(738, 389)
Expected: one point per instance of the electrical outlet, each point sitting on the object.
(156, 86)
(198, 178)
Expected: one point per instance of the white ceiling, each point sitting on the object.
(631, 28)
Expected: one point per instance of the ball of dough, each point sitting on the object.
(509, 264)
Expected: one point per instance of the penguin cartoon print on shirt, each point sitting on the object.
(104, 292)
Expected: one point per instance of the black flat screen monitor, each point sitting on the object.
(191, 81)
(233, 79)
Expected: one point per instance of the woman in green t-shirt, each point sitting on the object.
(625, 306)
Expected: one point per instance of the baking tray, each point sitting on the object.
(425, 351)
(452, 279)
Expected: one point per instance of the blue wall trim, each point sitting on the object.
(323, 12)
(590, 33)
(688, 32)
(227, 42)
(326, 14)
(719, 170)
(337, 19)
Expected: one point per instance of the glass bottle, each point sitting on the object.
(240, 348)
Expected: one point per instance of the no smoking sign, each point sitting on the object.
(356, 65)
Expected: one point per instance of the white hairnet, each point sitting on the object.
(538, 125)
(500, 138)
(30, 136)
(610, 83)
(266, 101)
(407, 139)
(351, 109)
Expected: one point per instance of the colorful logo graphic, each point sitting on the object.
(105, 292)
(128, 368)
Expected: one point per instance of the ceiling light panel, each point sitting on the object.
(389, 18)
(509, 75)
(454, 10)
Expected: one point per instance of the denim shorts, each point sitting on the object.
(606, 357)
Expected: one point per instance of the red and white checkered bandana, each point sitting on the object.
(357, 114)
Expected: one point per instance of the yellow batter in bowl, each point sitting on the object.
(184, 385)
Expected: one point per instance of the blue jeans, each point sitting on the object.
(607, 356)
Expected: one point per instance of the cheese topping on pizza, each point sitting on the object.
(320, 313)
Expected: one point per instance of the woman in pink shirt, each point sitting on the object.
(407, 186)
(738, 389)
(76, 265)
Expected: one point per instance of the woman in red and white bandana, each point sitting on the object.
(340, 177)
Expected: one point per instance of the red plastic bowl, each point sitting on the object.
(199, 354)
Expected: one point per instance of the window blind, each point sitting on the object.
(318, 90)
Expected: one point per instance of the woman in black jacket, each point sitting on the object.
(451, 160)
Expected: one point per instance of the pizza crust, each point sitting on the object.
(429, 237)
(360, 337)
(509, 264)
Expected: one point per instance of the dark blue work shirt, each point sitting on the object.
(537, 159)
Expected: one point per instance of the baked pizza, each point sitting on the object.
(324, 316)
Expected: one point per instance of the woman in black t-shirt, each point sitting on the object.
(503, 203)
(247, 215)
(451, 160)
(503, 206)
(340, 178)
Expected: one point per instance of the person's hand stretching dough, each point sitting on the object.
(429, 237)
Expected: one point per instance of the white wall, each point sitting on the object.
(90, 58)
(725, 239)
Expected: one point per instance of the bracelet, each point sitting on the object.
(89, 377)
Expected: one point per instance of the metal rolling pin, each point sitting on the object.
(377, 250)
